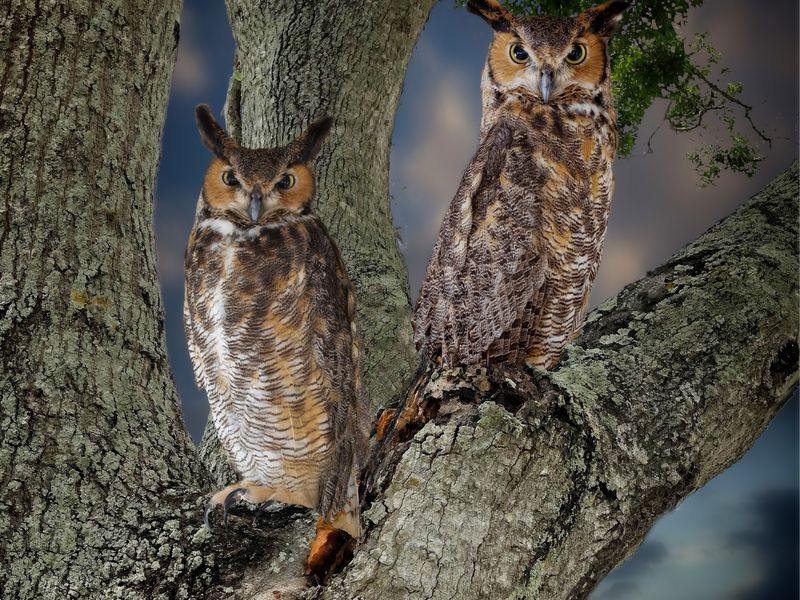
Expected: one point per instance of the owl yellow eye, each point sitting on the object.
(577, 55)
(287, 181)
(229, 179)
(518, 54)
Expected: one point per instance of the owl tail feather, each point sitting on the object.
(349, 517)
(396, 425)
(336, 537)
(330, 551)
(349, 521)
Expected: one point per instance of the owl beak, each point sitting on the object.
(546, 84)
(255, 206)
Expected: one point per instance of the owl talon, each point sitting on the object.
(230, 500)
(209, 508)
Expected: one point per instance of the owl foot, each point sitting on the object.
(231, 499)
(330, 551)
(232, 495)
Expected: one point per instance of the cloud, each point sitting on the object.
(621, 583)
(172, 227)
(430, 160)
(649, 554)
(191, 72)
(620, 590)
(447, 139)
(775, 543)
(622, 263)
(434, 167)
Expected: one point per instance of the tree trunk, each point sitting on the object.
(91, 429)
(102, 491)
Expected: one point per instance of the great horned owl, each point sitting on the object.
(520, 244)
(270, 318)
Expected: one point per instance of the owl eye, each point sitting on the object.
(287, 181)
(229, 179)
(577, 55)
(518, 54)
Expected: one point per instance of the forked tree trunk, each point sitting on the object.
(536, 492)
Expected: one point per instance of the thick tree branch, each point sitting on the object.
(535, 485)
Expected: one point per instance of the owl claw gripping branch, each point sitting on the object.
(230, 500)
(270, 318)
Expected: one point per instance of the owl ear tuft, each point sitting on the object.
(492, 12)
(214, 137)
(604, 19)
(309, 143)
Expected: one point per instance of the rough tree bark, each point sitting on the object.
(102, 491)
(91, 433)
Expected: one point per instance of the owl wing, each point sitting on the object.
(485, 266)
(338, 350)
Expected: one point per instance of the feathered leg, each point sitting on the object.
(250, 492)
(333, 545)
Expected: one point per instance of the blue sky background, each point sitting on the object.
(737, 538)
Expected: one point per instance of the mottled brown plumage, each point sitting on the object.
(520, 245)
(270, 318)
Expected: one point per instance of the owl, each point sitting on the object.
(520, 244)
(270, 319)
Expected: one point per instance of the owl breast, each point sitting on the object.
(268, 319)
(567, 160)
(519, 248)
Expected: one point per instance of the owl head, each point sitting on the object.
(246, 184)
(550, 58)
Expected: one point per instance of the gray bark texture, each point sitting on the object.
(531, 485)
(91, 436)
(516, 484)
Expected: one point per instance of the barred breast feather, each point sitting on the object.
(270, 320)
(519, 247)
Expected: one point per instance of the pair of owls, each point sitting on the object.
(270, 313)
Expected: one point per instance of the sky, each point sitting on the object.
(737, 538)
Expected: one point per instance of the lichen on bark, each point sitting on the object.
(530, 485)
(669, 383)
